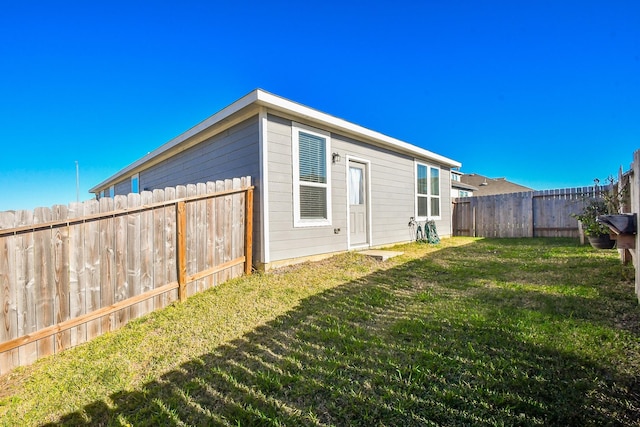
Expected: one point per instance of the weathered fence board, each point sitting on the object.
(26, 287)
(210, 242)
(219, 240)
(170, 235)
(120, 286)
(60, 248)
(528, 214)
(43, 276)
(9, 315)
(146, 244)
(70, 274)
(227, 253)
(107, 263)
(158, 249)
(77, 282)
(201, 232)
(133, 254)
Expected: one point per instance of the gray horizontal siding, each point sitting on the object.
(287, 241)
(391, 178)
(123, 187)
(392, 188)
(229, 154)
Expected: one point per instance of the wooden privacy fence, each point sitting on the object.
(527, 214)
(634, 190)
(70, 274)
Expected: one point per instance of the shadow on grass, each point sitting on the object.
(422, 343)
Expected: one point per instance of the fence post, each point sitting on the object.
(474, 232)
(181, 221)
(248, 231)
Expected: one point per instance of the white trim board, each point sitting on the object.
(367, 164)
(263, 123)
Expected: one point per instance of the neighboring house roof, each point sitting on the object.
(487, 186)
(463, 186)
(251, 104)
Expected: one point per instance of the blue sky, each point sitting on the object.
(544, 93)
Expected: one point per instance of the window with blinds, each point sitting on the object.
(313, 158)
(311, 176)
(427, 191)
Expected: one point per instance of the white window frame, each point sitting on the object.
(429, 196)
(296, 128)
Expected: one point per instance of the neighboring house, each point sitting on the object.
(322, 184)
(459, 188)
(488, 186)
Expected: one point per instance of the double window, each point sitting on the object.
(427, 191)
(312, 176)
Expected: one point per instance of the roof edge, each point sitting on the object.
(261, 97)
(227, 111)
(278, 103)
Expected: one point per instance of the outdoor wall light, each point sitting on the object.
(336, 158)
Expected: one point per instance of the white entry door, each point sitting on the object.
(358, 204)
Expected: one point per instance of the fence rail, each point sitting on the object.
(70, 274)
(527, 214)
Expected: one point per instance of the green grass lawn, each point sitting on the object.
(467, 332)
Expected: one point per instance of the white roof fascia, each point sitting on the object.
(277, 103)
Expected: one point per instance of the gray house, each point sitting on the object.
(322, 184)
